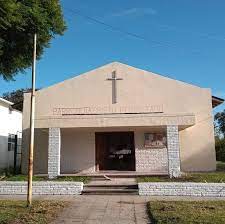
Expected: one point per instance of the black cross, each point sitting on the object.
(114, 93)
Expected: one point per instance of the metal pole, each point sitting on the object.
(32, 111)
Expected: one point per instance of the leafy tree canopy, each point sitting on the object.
(220, 122)
(19, 20)
(16, 97)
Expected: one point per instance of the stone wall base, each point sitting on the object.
(182, 189)
(41, 188)
(153, 160)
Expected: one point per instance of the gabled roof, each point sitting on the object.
(216, 101)
(114, 65)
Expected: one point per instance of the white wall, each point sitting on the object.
(77, 151)
(139, 89)
(10, 123)
(150, 160)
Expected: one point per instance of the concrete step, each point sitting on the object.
(110, 189)
(119, 174)
(110, 186)
(99, 178)
(106, 191)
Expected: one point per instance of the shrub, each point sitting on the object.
(6, 171)
(220, 149)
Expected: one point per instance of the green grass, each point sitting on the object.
(186, 212)
(22, 178)
(41, 212)
(220, 166)
(73, 178)
(210, 177)
(193, 177)
(40, 178)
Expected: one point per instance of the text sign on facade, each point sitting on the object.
(107, 110)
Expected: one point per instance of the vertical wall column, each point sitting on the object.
(173, 151)
(54, 145)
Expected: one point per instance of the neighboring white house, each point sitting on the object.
(10, 128)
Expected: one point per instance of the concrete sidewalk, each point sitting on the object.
(134, 197)
(104, 209)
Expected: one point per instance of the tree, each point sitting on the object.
(19, 20)
(220, 135)
(16, 97)
(220, 122)
(220, 149)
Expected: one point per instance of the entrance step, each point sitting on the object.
(110, 192)
(110, 189)
(111, 186)
(122, 174)
(108, 178)
(112, 181)
(99, 178)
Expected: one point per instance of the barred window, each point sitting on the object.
(11, 142)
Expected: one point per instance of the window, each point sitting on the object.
(11, 142)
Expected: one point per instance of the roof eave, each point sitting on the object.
(6, 101)
(216, 101)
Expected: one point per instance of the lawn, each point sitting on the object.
(209, 177)
(220, 166)
(41, 212)
(186, 212)
(41, 178)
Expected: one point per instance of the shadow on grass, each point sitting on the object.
(41, 212)
(186, 212)
(150, 215)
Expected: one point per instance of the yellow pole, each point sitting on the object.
(32, 112)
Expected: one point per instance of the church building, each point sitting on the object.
(121, 119)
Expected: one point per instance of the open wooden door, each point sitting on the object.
(100, 151)
(115, 151)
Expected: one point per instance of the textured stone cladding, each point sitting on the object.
(182, 189)
(41, 187)
(173, 150)
(54, 144)
(151, 160)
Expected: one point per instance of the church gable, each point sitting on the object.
(114, 99)
(119, 87)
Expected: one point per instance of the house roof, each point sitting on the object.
(216, 101)
(6, 101)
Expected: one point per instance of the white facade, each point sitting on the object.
(10, 123)
(78, 123)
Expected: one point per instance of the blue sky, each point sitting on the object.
(184, 40)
